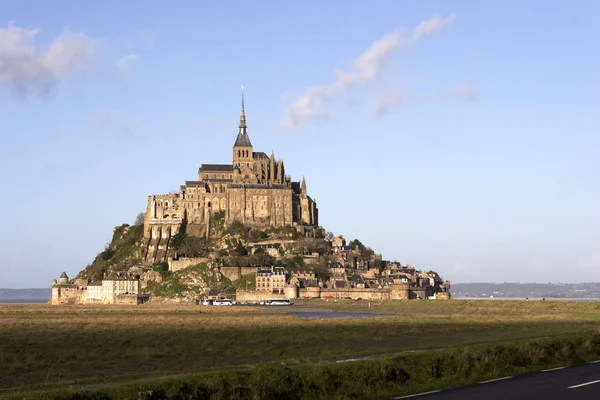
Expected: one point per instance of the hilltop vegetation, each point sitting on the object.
(124, 251)
(191, 282)
(225, 245)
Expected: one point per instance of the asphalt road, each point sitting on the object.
(572, 383)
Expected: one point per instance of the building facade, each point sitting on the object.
(271, 280)
(253, 189)
(115, 288)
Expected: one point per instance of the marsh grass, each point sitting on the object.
(402, 375)
(53, 345)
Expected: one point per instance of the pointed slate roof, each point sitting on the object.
(242, 137)
(64, 275)
(242, 140)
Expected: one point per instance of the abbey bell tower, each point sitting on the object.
(242, 149)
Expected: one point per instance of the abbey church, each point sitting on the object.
(253, 189)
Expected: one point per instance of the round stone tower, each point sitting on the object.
(290, 291)
(64, 279)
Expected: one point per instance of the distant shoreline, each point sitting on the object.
(582, 299)
(23, 301)
(528, 298)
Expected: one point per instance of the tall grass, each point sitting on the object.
(49, 345)
(407, 374)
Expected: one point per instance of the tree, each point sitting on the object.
(367, 253)
(139, 220)
(322, 273)
(358, 243)
(177, 239)
(192, 246)
(241, 250)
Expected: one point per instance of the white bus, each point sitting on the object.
(222, 302)
(276, 302)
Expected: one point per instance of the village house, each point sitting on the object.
(270, 280)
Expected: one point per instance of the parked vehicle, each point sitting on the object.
(276, 302)
(223, 302)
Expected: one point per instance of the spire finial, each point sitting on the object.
(243, 113)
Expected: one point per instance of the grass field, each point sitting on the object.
(42, 345)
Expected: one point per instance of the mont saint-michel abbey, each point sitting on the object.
(253, 189)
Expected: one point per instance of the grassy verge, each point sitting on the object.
(407, 374)
(45, 346)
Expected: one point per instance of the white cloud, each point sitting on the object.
(432, 26)
(365, 68)
(126, 64)
(31, 69)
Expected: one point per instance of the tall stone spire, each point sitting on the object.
(242, 137)
(303, 187)
(243, 115)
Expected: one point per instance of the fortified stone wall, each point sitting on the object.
(184, 262)
(235, 273)
(126, 299)
(368, 294)
(243, 296)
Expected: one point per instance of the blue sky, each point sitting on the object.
(454, 136)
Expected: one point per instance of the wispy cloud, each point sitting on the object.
(126, 64)
(33, 70)
(432, 26)
(365, 68)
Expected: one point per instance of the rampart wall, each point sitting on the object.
(184, 262)
(243, 296)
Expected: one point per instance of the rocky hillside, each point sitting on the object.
(123, 252)
(232, 245)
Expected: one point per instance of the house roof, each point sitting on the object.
(306, 283)
(301, 270)
(216, 168)
(119, 276)
(340, 284)
(194, 183)
(64, 275)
